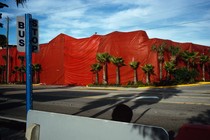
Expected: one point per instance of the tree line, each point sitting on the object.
(174, 74)
(19, 71)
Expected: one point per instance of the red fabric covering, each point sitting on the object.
(66, 60)
(194, 132)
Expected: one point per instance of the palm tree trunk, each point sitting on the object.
(168, 75)
(188, 65)
(105, 74)
(22, 77)
(117, 75)
(0, 78)
(135, 77)
(15, 75)
(35, 77)
(147, 78)
(203, 71)
(38, 77)
(161, 70)
(3, 76)
(18, 76)
(96, 78)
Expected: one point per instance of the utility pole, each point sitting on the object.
(8, 58)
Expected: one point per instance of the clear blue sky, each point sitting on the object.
(177, 20)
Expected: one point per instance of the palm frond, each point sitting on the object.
(134, 64)
(118, 61)
(18, 2)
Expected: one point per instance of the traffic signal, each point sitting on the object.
(1, 25)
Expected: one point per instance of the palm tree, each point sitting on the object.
(14, 73)
(16, 69)
(148, 70)
(118, 62)
(18, 2)
(170, 67)
(3, 40)
(2, 72)
(3, 68)
(160, 51)
(174, 51)
(21, 58)
(37, 69)
(5, 58)
(95, 68)
(22, 69)
(1, 77)
(189, 58)
(203, 60)
(134, 65)
(103, 58)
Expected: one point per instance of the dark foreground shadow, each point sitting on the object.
(147, 97)
(10, 130)
(203, 118)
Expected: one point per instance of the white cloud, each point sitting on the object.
(179, 35)
(84, 17)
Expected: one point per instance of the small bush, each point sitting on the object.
(165, 83)
(131, 84)
(183, 76)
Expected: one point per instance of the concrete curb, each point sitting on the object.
(146, 87)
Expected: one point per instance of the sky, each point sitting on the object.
(176, 20)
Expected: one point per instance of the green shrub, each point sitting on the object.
(138, 84)
(183, 76)
(165, 83)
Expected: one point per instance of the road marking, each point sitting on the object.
(146, 97)
(187, 103)
(12, 119)
(191, 97)
(149, 97)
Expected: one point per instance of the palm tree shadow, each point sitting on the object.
(202, 118)
(142, 114)
(154, 133)
(154, 95)
(111, 101)
(147, 97)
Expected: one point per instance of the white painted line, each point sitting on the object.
(146, 97)
(187, 103)
(12, 119)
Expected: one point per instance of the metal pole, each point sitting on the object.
(7, 61)
(28, 52)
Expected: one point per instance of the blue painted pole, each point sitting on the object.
(28, 51)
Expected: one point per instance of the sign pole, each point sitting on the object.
(28, 52)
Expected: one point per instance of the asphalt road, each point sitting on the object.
(165, 107)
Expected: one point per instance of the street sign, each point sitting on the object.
(21, 33)
(34, 41)
(28, 42)
(35, 36)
